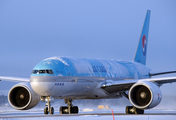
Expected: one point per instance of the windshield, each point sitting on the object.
(42, 72)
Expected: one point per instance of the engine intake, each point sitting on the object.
(145, 95)
(22, 97)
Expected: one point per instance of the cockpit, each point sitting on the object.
(42, 71)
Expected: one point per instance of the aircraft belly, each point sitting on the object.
(62, 87)
(78, 89)
(45, 88)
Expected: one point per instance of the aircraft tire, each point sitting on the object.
(46, 110)
(133, 110)
(74, 110)
(139, 111)
(51, 110)
(128, 110)
(63, 110)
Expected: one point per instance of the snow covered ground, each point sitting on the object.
(168, 105)
(38, 115)
(96, 117)
(99, 117)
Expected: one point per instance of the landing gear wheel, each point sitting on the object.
(46, 110)
(129, 110)
(139, 111)
(67, 110)
(133, 110)
(63, 110)
(51, 110)
(74, 109)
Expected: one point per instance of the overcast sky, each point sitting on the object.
(31, 31)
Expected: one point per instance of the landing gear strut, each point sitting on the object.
(133, 110)
(48, 109)
(69, 109)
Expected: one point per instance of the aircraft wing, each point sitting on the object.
(161, 81)
(123, 85)
(14, 79)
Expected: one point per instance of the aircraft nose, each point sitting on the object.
(39, 85)
(46, 85)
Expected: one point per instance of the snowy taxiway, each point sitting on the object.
(93, 115)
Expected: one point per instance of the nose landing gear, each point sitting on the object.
(69, 109)
(48, 109)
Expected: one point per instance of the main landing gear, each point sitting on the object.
(69, 109)
(48, 109)
(133, 110)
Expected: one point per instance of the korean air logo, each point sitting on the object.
(144, 44)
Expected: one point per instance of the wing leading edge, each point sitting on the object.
(14, 79)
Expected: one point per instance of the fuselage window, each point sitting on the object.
(42, 72)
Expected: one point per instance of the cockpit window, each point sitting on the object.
(42, 72)
(35, 72)
(49, 71)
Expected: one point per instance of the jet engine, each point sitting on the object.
(22, 97)
(145, 95)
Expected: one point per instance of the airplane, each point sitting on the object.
(80, 78)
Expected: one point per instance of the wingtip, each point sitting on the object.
(148, 11)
